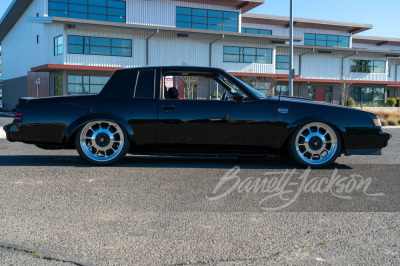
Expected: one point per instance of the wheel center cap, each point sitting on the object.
(315, 143)
(102, 140)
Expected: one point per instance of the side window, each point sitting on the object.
(194, 86)
(145, 84)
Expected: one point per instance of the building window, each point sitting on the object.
(388, 72)
(103, 10)
(282, 90)
(311, 92)
(86, 84)
(367, 66)
(368, 96)
(58, 45)
(282, 62)
(256, 31)
(204, 19)
(326, 40)
(247, 55)
(58, 85)
(99, 46)
(328, 94)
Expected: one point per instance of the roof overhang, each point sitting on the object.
(12, 15)
(244, 5)
(306, 23)
(56, 67)
(378, 41)
(385, 53)
(224, 34)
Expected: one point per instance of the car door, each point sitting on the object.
(201, 125)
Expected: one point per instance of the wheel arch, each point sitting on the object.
(73, 128)
(305, 120)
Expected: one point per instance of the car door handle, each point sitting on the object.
(168, 107)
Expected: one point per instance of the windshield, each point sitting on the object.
(254, 91)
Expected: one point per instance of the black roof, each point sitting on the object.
(179, 68)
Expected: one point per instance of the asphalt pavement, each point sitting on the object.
(57, 209)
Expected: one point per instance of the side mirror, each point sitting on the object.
(238, 97)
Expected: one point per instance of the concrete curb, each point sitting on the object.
(390, 127)
(2, 134)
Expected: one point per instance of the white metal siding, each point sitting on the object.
(20, 52)
(363, 76)
(218, 56)
(298, 32)
(321, 66)
(138, 45)
(168, 49)
(161, 12)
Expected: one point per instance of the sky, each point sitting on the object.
(383, 14)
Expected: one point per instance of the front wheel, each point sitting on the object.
(315, 145)
(102, 142)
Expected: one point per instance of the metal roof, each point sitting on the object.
(378, 41)
(11, 16)
(306, 23)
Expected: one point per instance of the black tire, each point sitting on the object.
(300, 149)
(107, 145)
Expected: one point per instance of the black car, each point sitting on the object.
(193, 111)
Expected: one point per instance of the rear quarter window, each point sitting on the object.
(145, 84)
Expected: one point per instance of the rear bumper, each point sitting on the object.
(13, 132)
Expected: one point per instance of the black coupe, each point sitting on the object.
(193, 111)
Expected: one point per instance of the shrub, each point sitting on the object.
(350, 102)
(398, 102)
(384, 123)
(392, 123)
(391, 102)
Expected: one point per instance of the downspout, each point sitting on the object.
(147, 46)
(210, 49)
(342, 72)
(395, 76)
(300, 56)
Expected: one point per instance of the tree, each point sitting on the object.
(343, 89)
(266, 84)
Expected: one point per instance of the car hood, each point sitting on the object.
(312, 102)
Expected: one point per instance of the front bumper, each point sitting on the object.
(378, 141)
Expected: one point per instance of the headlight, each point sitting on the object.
(377, 122)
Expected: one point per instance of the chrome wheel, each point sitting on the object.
(316, 143)
(101, 141)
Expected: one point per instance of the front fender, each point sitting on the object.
(77, 124)
(309, 119)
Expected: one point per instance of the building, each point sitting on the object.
(74, 46)
(1, 85)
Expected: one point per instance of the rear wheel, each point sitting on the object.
(315, 145)
(102, 142)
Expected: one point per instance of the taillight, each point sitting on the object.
(18, 117)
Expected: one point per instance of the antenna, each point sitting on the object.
(280, 91)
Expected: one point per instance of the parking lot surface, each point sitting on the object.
(57, 209)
